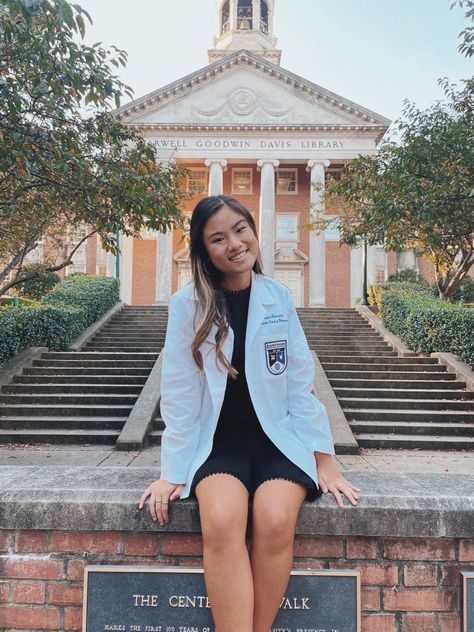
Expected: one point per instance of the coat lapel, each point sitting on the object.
(259, 299)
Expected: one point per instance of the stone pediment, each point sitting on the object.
(245, 90)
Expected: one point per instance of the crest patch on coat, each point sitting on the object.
(276, 356)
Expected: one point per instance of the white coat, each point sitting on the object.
(280, 374)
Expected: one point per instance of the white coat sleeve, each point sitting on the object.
(309, 414)
(180, 394)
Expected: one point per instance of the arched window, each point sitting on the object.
(264, 17)
(244, 15)
(225, 23)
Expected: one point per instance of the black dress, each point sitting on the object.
(240, 445)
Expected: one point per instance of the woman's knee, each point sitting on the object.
(273, 523)
(223, 509)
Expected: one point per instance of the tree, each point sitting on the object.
(417, 193)
(466, 47)
(64, 159)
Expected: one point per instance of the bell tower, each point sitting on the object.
(245, 24)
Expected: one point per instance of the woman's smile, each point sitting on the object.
(239, 256)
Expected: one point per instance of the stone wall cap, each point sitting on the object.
(106, 498)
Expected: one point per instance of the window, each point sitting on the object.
(242, 181)
(77, 233)
(287, 227)
(244, 15)
(197, 181)
(380, 275)
(101, 260)
(333, 232)
(287, 181)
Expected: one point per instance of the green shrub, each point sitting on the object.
(464, 293)
(65, 312)
(36, 288)
(403, 288)
(426, 323)
(407, 274)
(9, 301)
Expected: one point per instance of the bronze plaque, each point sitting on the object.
(173, 599)
(468, 601)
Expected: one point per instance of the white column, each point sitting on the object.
(111, 265)
(233, 14)
(256, 14)
(267, 214)
(317, 243)
(406, 259)
(126, 268)
(164, 260)
(164, 267)
(356, 274)
(216, 175)
(371, 264)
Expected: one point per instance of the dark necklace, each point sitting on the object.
(245, 289)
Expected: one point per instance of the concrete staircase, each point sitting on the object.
(85, 396)
(389, 402)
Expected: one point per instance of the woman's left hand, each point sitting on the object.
(331, 479)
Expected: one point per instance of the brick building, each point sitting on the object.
(245, 126)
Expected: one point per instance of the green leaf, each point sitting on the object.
(81, 25)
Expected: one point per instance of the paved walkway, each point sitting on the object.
(370, 459)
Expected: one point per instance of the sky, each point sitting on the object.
(374, 52)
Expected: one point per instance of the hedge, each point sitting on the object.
(64, 313)
(424, 322)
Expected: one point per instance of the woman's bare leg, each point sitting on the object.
(223, 509)
(275, 509)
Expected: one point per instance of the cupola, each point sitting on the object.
(245, 24)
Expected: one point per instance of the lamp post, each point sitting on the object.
(117, 256)
(364, 300)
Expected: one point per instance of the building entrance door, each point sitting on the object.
(293, 279)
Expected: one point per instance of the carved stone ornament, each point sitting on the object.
(243, 102)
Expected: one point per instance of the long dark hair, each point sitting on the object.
(208, 279)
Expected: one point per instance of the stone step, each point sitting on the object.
(356, 353)
(76, 356)
(395, 384)
(69, 411)
(94, 363)
(136, 348)
(113, 380)
(347, 359)
(85, 388)
(114, 326)
(106, 348)
(139, 320)
(68, 400)
(394, 375)
(407, 427)
(16, 422)
(379, 371)
(79, 370)
(155, 436)
(119, 337)
(410, 442)
(350, 403)
(345, 338)
(344, 393)
(336, 328)
(408, 414)
(348, 347)
(158, 423)
(73, 436)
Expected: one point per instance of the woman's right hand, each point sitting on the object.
(161, 493)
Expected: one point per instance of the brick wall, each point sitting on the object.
(408, 585)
